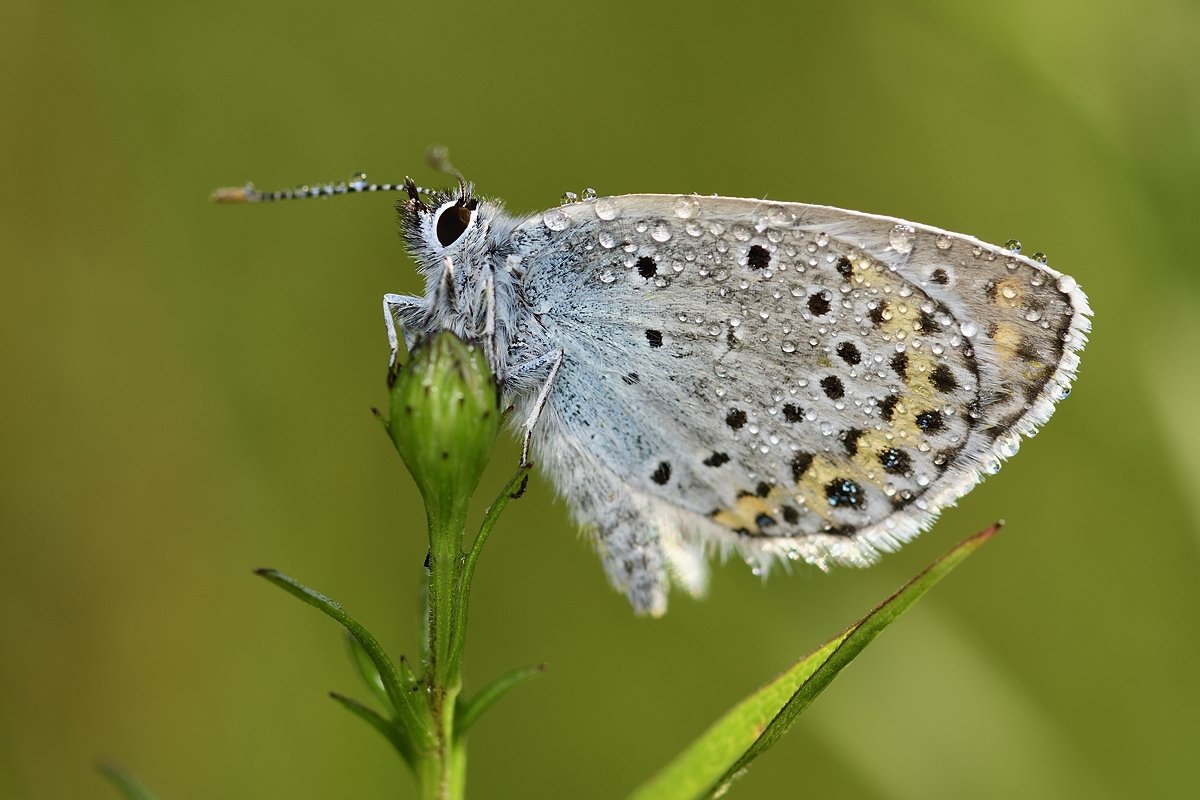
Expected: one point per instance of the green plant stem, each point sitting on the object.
(443, 778)
(490, 517)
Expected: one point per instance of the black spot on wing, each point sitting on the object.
(800, 464)
(736, 418)
(849, 353)
(716, 459)
(942, 378)
(647, 267)
(895, 461)
(930, 421)
(850, 439)
(844, 267)
(887, 407)
(844, 492)
(662, 473)
(764, 521)
(655, 338)
(899, 363)
(793, 413)
(818, 304)
(758, 257)
(927, 324)
(832, 385)
(876, 313)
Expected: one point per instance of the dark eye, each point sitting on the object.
(451, 224)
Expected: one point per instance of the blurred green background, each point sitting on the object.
(186, 390)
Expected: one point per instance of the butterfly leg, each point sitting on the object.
(397, 308)
(554, 360)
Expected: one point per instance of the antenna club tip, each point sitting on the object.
(233, 194)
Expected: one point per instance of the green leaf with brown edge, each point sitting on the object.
(711, 763)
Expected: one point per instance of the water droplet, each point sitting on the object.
(943, 241)
(569, 197)
(589, 193)
(358, 180)
(778, 215)
(1033, 315)
(556, 219)
(1008, 292)
(686, 207)
(741, 233)
(1039, 257)
(969, 329)
(1008, 446)
(606, 208)
(607, 276)
(1013, 245)
(660, 231)
(608, 239)
(902, 238)
(1066, 283)
(693, 228)
(788, 346)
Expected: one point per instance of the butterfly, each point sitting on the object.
(783, 381)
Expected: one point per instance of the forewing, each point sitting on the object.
(791, 379)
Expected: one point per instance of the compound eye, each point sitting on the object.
(452, 221)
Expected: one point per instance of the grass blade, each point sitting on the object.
(708, 766)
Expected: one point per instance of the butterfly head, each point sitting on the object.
(441, 224)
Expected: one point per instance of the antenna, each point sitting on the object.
(438, 156)
(357, 184)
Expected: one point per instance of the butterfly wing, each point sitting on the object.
(783, 380)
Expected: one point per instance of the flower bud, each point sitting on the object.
(444, 418)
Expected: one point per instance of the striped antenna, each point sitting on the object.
(357, 184)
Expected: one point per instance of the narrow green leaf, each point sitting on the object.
(367, 671)
(707, 767)
(414, 721)
(470, 710)
(512, 489)
(126, 784)
(390, 730)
